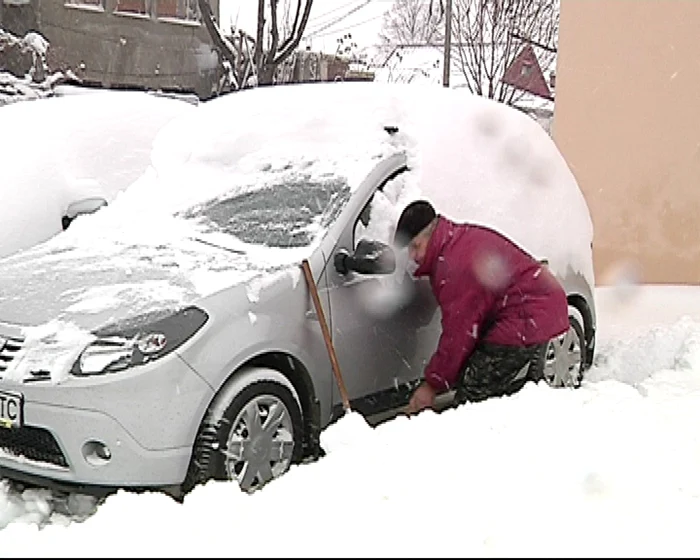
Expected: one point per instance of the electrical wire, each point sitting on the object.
(334, 22)
(334, 10)
(348, 27)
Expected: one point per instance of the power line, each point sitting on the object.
(336, 9)
(348, 27)
(323, 27)
(338, 19)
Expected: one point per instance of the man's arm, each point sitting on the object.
(462, 320)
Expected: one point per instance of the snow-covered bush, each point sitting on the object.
(24, 72)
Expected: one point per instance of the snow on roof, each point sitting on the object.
(228, 141)
(478, 159)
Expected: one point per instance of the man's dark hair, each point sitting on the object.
(414, 219)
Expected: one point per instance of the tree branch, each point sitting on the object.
(544, 47)
(296, 35)
(274, 32)
(221, 43)
(288, 38)
(258, 54)
(466, 52)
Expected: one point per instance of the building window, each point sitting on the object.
(179, 9)
(132, 6)
(526, 70)
(95, 3)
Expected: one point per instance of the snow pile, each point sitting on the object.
(92, 145)
(619, 461)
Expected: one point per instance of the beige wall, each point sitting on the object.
(627, 119)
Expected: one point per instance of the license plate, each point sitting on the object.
(11, 405)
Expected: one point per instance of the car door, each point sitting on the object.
(384, 327)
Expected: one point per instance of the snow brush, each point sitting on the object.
(326, 334)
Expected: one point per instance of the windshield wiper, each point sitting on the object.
(236, 251)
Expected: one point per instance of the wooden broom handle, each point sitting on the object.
(326, 333)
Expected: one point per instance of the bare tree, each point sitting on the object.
(411, 22)
(489, 34)
(247, 56)
(287, 19)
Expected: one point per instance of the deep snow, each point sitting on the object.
(607, 469)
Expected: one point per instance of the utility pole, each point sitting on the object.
(447, 64)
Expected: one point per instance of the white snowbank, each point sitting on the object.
(604, 470)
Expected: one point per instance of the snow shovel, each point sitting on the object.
(326, 334)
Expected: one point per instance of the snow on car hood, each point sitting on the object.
(93, 281)
(59, 292)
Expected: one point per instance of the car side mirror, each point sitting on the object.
(81, 207)
(370, 257)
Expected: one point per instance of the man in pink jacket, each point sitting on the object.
(499, 307)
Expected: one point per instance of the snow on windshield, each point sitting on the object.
(292, 213)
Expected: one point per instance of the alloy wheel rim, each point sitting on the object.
(563, 360)
(261, 443)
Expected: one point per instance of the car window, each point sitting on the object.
(289, 214)
(376, 220)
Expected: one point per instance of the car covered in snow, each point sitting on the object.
(172, 338)
(67, 156)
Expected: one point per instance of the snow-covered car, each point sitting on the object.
(172, 337)
(62, 157)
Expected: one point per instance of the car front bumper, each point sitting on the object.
(129, 429)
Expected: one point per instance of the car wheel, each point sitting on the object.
(565, 358)
(252, 432)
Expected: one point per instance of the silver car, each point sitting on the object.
(171, 338)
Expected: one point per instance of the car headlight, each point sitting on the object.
(138, 341)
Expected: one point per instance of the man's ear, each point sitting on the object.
(428, 230)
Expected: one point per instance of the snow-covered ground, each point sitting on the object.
(609, 469)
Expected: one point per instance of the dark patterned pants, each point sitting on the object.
(494, 370)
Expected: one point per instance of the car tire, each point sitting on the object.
(565, 358)
(240, 439)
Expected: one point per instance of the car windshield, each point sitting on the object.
(287, 214)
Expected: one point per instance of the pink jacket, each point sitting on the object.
(488, 290)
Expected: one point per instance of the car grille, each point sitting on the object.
(35, 444)
(9, 347)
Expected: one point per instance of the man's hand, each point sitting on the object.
(423, 397)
